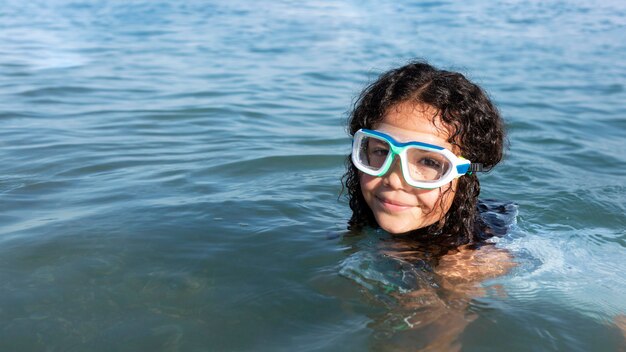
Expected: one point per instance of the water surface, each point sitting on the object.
(171, 173)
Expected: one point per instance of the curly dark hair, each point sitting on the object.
(478, 134)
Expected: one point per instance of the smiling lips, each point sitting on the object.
(392, 205)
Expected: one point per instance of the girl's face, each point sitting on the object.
(397, 206)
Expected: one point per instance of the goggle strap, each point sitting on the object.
(475, 167)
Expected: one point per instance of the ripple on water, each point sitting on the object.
(57, 91)
(273, 164)
(569, 267)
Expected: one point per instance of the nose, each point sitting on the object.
(394, 178)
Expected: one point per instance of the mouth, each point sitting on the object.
(392, 205)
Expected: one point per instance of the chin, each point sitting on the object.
(396, 229)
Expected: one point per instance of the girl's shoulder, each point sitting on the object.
(469, 266)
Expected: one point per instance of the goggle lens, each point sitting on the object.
(373, 152)
(425, 165)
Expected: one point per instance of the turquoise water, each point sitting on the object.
(171, 175)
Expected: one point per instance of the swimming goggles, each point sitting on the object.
(423, 165)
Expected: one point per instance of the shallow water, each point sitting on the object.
(171, 173)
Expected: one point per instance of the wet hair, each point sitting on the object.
(478, 134)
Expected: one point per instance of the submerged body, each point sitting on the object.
(428, 296)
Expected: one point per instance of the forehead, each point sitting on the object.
(415, 122)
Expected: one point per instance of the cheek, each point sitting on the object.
(429, 199)
(438, 200)
(368, 185)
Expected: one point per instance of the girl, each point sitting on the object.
(420, 136)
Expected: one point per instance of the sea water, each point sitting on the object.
(171, 175)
